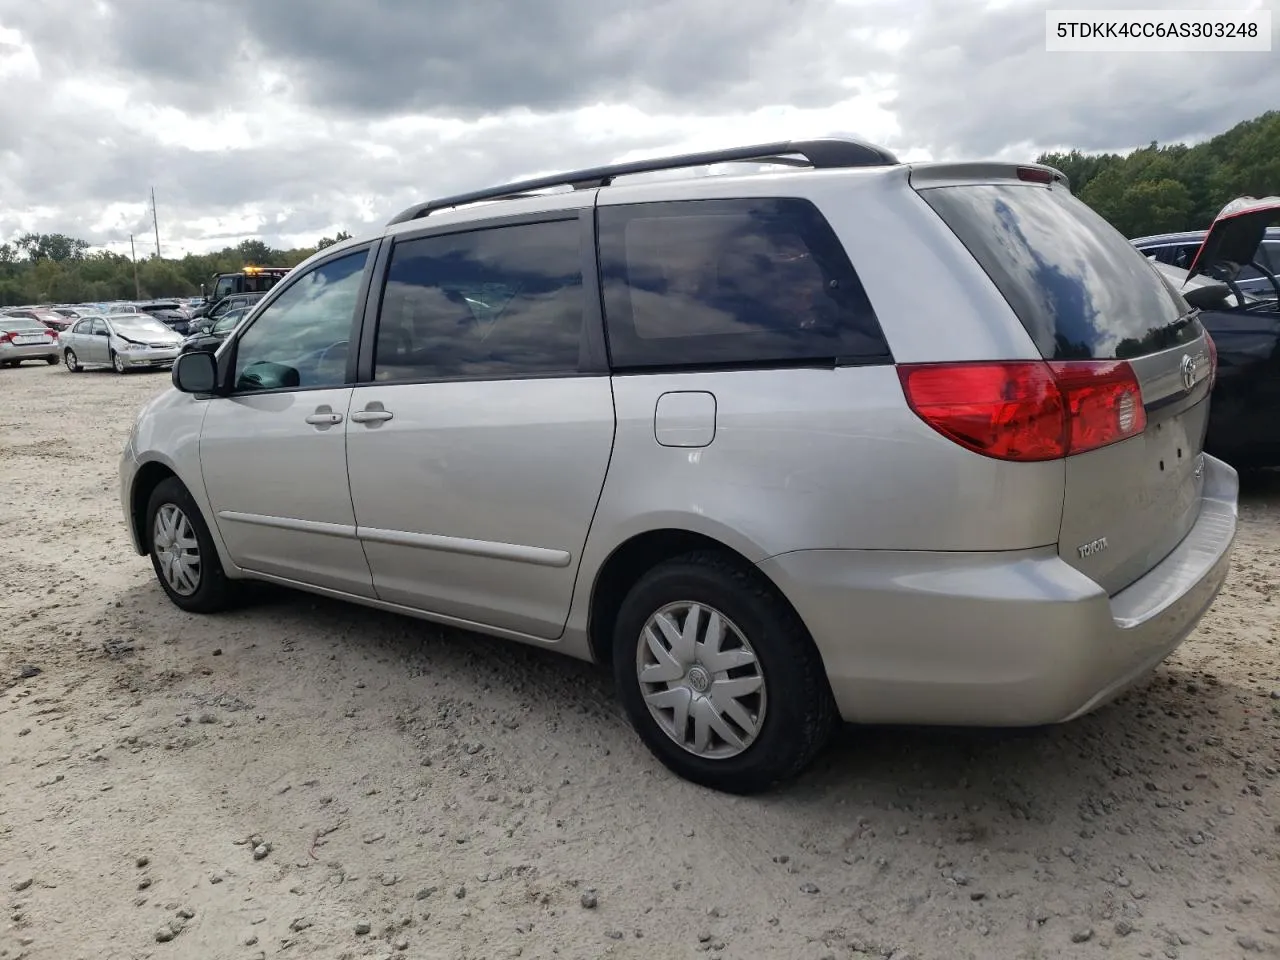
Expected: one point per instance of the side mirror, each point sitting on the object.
(196, 372)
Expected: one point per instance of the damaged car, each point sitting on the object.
(123, 342)
(1244, 321)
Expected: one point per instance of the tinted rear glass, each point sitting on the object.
(724, 282)
(1081, 290)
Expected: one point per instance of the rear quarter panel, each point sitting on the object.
(806, 459)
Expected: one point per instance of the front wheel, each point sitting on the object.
(182, 551)
(719, 676)
(117, 362)
(72, 361)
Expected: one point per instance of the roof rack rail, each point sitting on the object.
(824, 154)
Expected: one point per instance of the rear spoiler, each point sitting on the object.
(944, 174)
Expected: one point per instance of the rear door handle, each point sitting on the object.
(325, 419)
(371, 416)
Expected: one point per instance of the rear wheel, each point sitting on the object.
(117, 363)
(12, 363)
(182, 551)
(719, 676)
(72, 361)
(51, 361)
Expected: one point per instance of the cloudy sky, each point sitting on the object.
(290, 119)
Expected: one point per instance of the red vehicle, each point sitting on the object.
(50, 318)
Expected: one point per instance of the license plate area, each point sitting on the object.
(1174, 465)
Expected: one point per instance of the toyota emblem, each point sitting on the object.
(1188, 371)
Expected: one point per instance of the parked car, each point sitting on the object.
(49, 318)
(1244, 419)
(1179, 249)
(123, 341)
(878, 441)
(172, 313)
(25, 339)
(236, 301)
(209, 336)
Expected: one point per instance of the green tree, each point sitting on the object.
(1157, 189)
(52, 246)
(255, 252)
(330, 241)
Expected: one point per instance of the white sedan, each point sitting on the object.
(122, 341)
(23, 339)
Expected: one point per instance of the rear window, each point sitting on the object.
(1081, 290)
(16, 323)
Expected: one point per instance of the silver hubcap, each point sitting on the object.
(71, 360)
(177, 550)
(701, 680)
(119, 363)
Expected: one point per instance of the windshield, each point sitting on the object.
(141, 328)
(228, 323)
(259, 283)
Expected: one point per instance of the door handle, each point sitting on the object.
(325, 419)
(371, 416)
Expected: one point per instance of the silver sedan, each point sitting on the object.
(122, 341)
(23, 339)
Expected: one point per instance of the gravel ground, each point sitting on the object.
(302, 778)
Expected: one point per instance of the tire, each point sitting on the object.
(72, 361)
(52, 361)
(117, 363)
(212, 590)
(12, 363)
(794, 705)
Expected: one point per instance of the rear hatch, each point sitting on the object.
(1090, 301)
(1232, 247)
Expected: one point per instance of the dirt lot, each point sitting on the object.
(307, 779)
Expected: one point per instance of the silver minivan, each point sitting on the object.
(839, 438)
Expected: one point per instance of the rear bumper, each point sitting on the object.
(1015, 638)
(29, 351)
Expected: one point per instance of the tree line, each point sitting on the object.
(1162, 189)
(54, 268)
(1155, 189)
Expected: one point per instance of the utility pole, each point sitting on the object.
(155, 220)
(133, 255)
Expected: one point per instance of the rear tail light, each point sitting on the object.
(1028, 410)
(7, 337)
(1036, 175)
